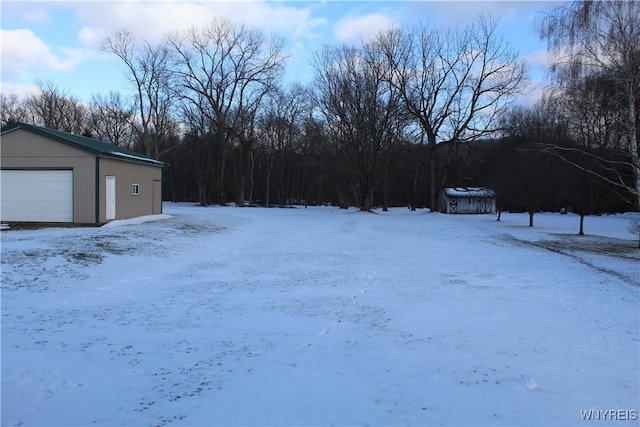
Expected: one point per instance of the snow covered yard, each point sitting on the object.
(229, 316)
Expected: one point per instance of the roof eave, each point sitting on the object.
(156, 163)
(42, 132)
(98, 153)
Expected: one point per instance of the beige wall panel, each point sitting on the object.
(22, 143)
(20, 149)
(157, 197)
(127, 174)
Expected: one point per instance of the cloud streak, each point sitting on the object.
(23, 50)
(354, 29)
(32, 49)
(153, 20)
(61, 39)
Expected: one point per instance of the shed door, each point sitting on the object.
(157, 197)
(36, 195)
(111, 198)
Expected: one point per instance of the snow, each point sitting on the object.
(468, 192)
(136, 220)
(321, 316)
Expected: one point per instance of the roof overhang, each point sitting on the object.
(468, 192)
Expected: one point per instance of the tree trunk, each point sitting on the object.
(433, 161)
(452, 152)
(367, 203)
(416, 178)
(204, 168)
(531, 212)
(220, 190)
(202, 190)
(240, 176)
(252, 166)
(414, 198)
(220, 141)
(343, 199)
(366, 192)
(633, 140)
(385, 191)
(581, 232)
(268, 185)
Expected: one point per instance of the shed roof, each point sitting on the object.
(479, 192)
(94, 146)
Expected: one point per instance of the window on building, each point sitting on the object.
(135, 189)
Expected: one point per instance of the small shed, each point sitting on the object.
(52, 176)
(472, 200)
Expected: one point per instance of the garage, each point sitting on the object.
(37, 195)
(53, 176)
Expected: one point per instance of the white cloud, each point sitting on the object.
(148, 20)
(153, 20)
(464, 12)
(22, 91)
(540, 58)
(14, 10)
(533, 93)
(357, 28)
(22, 51)
(285, 20)
(36, 49)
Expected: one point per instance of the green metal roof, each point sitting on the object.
(94, 146)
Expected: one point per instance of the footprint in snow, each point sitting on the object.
(45, 392)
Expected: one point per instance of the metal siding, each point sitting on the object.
(36, 195)
(25, 150)
(467, 205)
(22, 143)
(157, 197)
(128, 173)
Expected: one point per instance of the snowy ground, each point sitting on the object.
(248, 316)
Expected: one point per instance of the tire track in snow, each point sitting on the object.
(573, 256)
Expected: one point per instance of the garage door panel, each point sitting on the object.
(37, 196)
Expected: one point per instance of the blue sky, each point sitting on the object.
(60, 41)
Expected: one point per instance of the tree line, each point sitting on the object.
(388, 122)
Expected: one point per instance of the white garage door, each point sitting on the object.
(36, 195)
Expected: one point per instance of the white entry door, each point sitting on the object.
(111, 198)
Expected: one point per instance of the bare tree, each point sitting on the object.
(55, 108)
(197, 141)
(111, 119)
(592, 110)
(601, 38)
(454, 83)
(12, 109)
(596, 133)
(280, 126)
(148, 70)
(523, 173)
(244, 136)
(222, 72)
(362, 111)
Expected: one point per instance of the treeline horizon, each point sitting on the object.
(389, 123)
